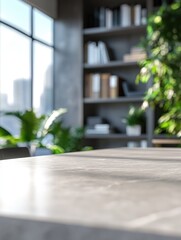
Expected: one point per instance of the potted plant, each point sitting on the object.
(163, 67)
(33, 131)
(44, 134)
(134, 121)
(70, 139)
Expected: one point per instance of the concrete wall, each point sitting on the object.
(47, 6)
(68, 60)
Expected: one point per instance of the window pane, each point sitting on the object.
(43, 80)
(15, 86)
(16, 13)
(43, 27)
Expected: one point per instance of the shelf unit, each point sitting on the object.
(72, 32)
(119, 41)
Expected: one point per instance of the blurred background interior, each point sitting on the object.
(110, 69)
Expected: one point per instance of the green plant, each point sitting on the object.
(163, 66)
(70, 139)
(34, 129)
(135, 117)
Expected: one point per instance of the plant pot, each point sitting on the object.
(42, 151)
(133, 130)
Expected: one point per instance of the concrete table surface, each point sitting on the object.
(112, 194)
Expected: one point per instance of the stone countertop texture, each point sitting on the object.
(112, 194)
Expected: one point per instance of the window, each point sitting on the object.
(17, 14)
(43, 26)
(43, 86)
(15, 70)
(26, 58)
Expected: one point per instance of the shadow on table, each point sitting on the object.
(20, 229)
(123, 157)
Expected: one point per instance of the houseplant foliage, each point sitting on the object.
(134, 121)
(135, 117)
(163, 66)
(44, 131)
(70, 139)
(34, 129)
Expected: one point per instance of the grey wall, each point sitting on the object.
(47, 6)
(68, 60)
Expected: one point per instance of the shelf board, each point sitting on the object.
(165, 136)
(113, 100)
(166, 139)
(106, 32)
(110, 65)
(122, 137)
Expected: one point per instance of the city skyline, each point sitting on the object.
(22, 96)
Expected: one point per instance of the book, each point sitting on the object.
(103, 52)
(134, 57)
(137, 50)
(144, 16)
(95, 131)
(90, 52)
(105, 85)
(93, 53)
(96, 15)
(109, 18)
(125, 15)
(99, 54)
(102, 17)
(96, 85)
(88, 85)
(116, 17)
(137, 15)
(113, 87)
(103, 127)
(100, 128)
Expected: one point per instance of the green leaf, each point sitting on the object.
(135, 116)
(163, 45)
(55, 149)
(4, 132)
(50, 119)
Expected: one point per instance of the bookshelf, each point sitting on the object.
(72, 33)
(119, 41)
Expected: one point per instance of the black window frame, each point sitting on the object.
(32, 40)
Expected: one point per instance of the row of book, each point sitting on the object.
(96, 53)
(102, 85)
(105, 85)
(124, 15)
